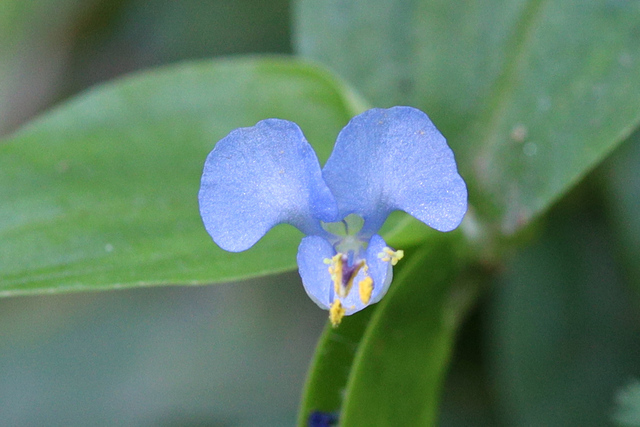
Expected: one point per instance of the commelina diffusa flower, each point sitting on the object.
(383, 160)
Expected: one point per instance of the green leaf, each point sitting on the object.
(331, 365)
(102, 191)
(389, 370)
(399, 369)
(622, 191)
(530, 94)
(562, 328)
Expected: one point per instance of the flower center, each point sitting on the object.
(349, 226)
(349, 261)
(343, 269)
(343, 272)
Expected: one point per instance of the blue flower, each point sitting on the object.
(383, 160)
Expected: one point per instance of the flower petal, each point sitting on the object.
(396, 159)
(258, 177)
(312, 252)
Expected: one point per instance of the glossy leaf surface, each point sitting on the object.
(102, 191)
(530, 94)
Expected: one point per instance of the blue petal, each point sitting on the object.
(396, 159)
(261, 176)
(312, 252)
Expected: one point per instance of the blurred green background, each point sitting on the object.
(208, 356)
(550, 344)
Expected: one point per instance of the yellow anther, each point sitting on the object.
(365, 286)
(389, 254)
(336, 313)
(335, 270)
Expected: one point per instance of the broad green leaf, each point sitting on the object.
(397, 374)
(101, 192)
(562, 328)
(530, 94)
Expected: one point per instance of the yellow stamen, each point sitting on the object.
(335, 270)
(336, 313)
(365, 286)
(389, 254)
